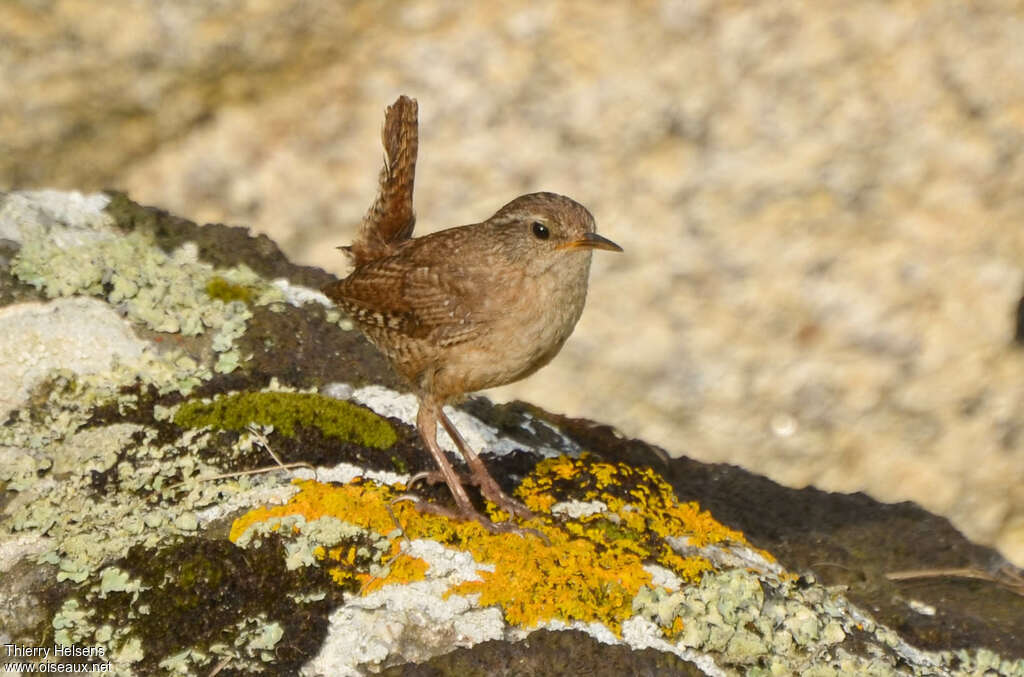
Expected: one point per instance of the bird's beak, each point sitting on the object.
(591, 241)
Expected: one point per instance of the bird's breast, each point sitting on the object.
(531, 318)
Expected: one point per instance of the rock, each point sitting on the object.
(819, 202)
(131, 525)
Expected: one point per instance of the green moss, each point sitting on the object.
(219, 288)
(285, 411)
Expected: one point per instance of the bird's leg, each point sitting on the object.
(426, 422)
(480, 476)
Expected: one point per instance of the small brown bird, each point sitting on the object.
(466, 308)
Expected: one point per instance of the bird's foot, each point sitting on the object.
(493, 493)
(488, 487)
(465, 513)
(432, 477)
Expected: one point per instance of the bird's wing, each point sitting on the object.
(447, 302)
(440, 302)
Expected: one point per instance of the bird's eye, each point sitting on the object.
(541, 231)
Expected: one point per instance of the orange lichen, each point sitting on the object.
(345, 572)
(316, 500)
(567, 579)
(402, 569)
(638, 496)
(675, 629)
(641, 510)
(589, 569)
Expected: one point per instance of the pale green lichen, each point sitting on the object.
(69, 623)
(253, 645)
(768, 625)
(97, 491)
(310, 541)
(115, 579)
(122, 486)
(88, 529)
(176, 580)
(187, 521)
(66, 401)
(171, 293)
(128, 652)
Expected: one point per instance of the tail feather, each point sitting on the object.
(390, 219)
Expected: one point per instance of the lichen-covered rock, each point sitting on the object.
(168, 510)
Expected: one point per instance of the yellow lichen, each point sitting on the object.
(567, 579)
(343, 576)
(675, 629)
(344, 573)
(642, 501)
(589, 568)
(402, 569)
(316, 500)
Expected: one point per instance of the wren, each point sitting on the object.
(467, 308)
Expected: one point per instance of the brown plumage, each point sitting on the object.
(466, 308)
(390, 220)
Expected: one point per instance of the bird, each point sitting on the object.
(467, 308)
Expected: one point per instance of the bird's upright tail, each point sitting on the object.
(390, 219)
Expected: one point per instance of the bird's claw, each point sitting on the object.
(469, 513)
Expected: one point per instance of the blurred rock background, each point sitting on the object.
(822, 204)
